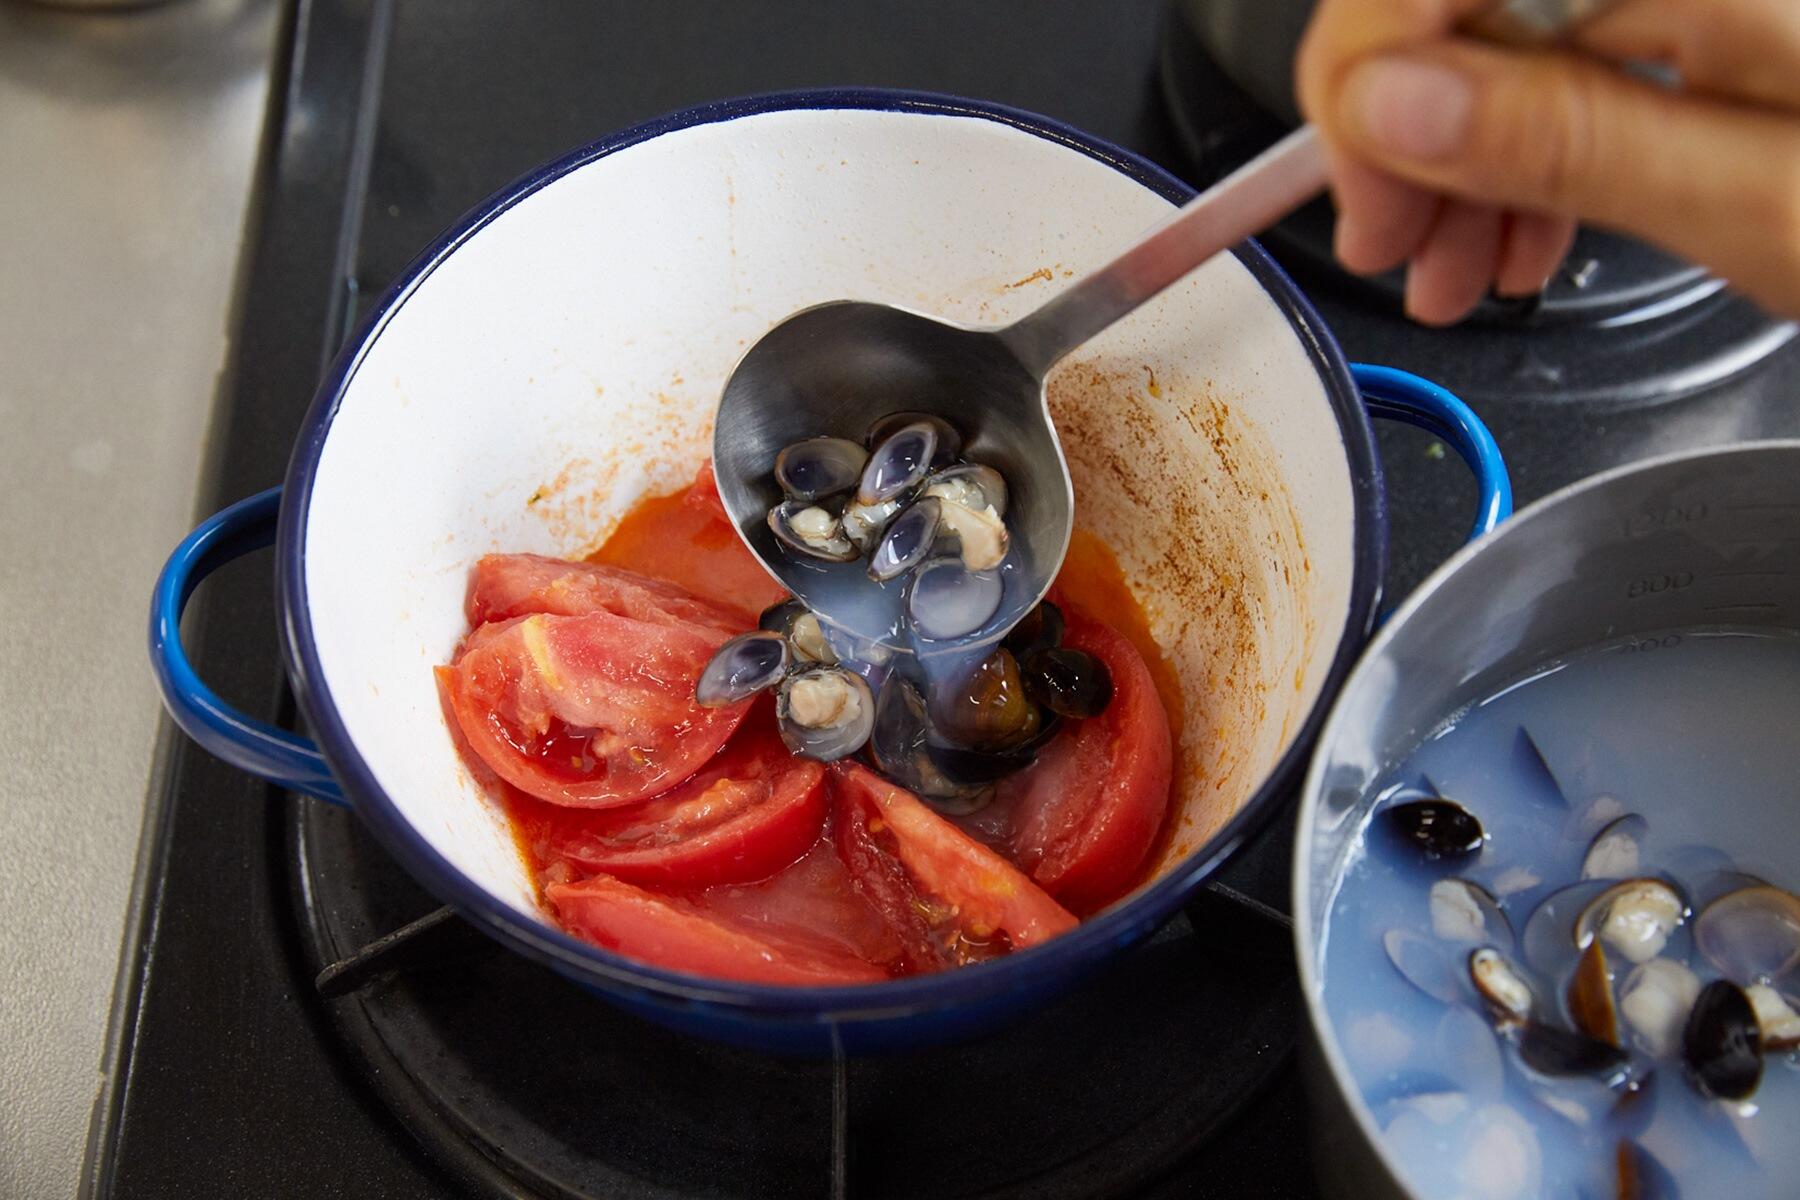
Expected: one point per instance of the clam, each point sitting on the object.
(971, 485)
(981, 537)
(1464, 912)
(1498, 982)
(908, 540)
(806, 637)
(1616, 850)
(1423, 963)
(898, 745)
(1552, 1050)
(949, 441)
(1039, 629)
(810, 530)
(864, 524)
(1638, 1176)
(819, 466)
(898, 462)
(1722, 1043)
(1635, 917)
(825, 712)
(985, 708)
(946, 600)
(1775, 1017)
(1070, 683)
(1655, 1000)
(1752, 934)
(1591, 1004)
(742, 667)
(778, 616)
(1548, 940)
(1437, 827)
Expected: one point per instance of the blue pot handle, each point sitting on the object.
(241, 740)
(1396, 395)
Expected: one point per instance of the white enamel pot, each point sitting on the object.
(557, 356)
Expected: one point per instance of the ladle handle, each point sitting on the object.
(1244, 203)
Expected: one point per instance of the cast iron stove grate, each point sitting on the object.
(523, 1084)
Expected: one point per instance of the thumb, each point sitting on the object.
(1560, 133)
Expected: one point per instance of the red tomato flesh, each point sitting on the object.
(672, 933)
(1081, 820)
(515, 585)
(950, 899)
(747, 814)
(593, 710)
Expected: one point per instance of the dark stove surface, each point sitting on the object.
(482, 1075)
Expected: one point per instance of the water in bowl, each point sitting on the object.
(1697, 733)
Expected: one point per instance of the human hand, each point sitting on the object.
(1472, 162)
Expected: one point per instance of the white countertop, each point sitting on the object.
(127, 142)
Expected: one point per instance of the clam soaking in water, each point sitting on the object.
(1564, 959)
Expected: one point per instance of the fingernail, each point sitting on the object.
(1410, 109)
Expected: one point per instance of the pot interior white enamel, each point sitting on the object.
(562, 361)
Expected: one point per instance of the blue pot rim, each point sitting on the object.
(1094, 938)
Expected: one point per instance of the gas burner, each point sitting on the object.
(1622, 324)
(519, 1082)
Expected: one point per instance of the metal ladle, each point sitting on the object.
(835, 368)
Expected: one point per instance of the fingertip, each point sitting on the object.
(1455, 266)
(1533, 246)
(1381, 220)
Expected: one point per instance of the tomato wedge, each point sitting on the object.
(672, 933)
(515, 585)
(752, 811)
(1082, 819)
(950, 899)
(594, 711)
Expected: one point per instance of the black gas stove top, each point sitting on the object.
(440, 1066)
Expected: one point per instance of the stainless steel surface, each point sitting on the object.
(837, 368)
(128, 141)
(1697, 539)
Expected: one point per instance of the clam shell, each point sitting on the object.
(819, 466)
(1424, 963)
(899, 462)
(1721, 1044)
(1752, 934)
(1591, 1004)
(825, 712)
(742, 667)
(1436, 827)
(1554, 1051)
(949, 441)
(945, 600)
(909, 538)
